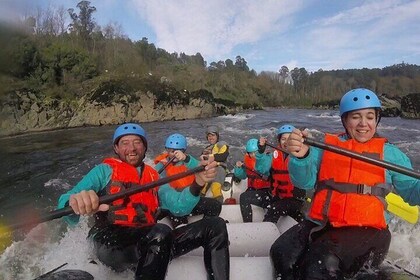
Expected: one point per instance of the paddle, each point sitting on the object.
(107, 198)
(396, 204)
(277, 148)
(50, 272)
(403, 269)
(374, 161)
(165, 165)
(262, 176)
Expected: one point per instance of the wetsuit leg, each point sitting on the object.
(123, 248)
(342, 252)
(211, 234)
(176, 221)
(207, 206)
(155, 251)
(116, 246)
(259, 198)
(286, 251)
(284, 207)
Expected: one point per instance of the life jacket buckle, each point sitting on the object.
(364, 189)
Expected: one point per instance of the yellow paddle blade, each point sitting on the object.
(5, 237)
(400, 208)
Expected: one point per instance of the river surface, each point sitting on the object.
(38, 167)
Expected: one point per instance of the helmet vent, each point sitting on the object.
(355, 99)
(126, 127)
(367, 97)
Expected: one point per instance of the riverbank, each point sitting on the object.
(111, 103)
(407, 106)
(25, 111)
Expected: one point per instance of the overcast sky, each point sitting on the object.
(269, 34)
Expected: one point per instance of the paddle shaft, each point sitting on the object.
(409, 213)
(106, 199)
(378, 162)
(403, 269)
(165, 165)
(50, 272)
(264, 177)
(277, 148)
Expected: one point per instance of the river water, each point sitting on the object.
(38, 167)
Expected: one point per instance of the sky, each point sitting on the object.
(314, 34)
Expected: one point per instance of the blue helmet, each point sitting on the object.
(176, 141)
(359, 98)
(287, 128)
(129, 129)
(252, 145)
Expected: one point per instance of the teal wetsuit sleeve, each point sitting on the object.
(263, 163)
(407, 187)
(239, 173)
(159, 167)
(178, 203)
(95, 180)
(304, 172)
(192, 162)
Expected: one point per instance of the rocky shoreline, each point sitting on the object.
(25, 111)
(407, 106)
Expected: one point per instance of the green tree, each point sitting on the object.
(83, 23)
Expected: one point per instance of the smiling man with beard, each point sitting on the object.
(125, 234)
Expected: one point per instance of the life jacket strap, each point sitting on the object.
(380, 190)
(275, 171)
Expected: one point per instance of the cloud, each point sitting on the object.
(363, 35)
(214, 28)
(368, 11)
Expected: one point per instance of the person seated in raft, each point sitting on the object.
(219, 150)
(125, 234)
(173, 161)
(286, 200)
(256, 167)
(340, 236)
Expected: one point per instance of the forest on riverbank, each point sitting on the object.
(44, 55)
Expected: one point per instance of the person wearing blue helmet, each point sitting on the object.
(175, 160)
(256, 167)
(346, 226)
(285, 199)
(126, 234)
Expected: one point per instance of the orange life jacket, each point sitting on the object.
(282, 186)
(351, 192)
(123, 211)
(174, 169)
(254, 181)
(162, 158)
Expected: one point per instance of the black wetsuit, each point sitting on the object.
(151, 248)
(206, 206)
(332, 253)
(289, 206)
(260, 197)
